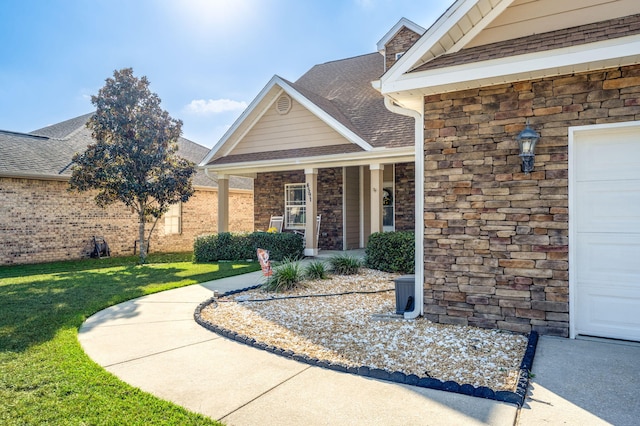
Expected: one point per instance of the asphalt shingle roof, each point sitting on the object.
(567, 37)
(47, 152)
(343, 89)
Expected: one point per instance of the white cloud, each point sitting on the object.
(214, 106)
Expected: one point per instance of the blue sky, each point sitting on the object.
(206, 59)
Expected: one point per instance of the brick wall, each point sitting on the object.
(40, 221)
(496, 240)
(269, 200)
(403, 40)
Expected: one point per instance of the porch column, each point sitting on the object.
(311, 211)
(223, 203)
(376, 196)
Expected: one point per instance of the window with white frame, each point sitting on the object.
(294, 206)
(173, 219)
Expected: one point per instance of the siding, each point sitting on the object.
(295, 130)
(526, 17)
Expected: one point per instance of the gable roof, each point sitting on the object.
(46, 153)
(454, 53)
(340, 94)
(402, 23)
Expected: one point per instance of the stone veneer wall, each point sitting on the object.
(403, 40)
(496, 240)
(269, 201)
(405, 188)
(40, 221)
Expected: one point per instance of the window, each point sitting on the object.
(294, 206)
(399, 55)
(173, 219)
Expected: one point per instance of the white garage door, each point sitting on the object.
(606, 235)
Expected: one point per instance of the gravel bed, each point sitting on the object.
(347, 329)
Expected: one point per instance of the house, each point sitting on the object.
(552, 250)
(555, 250)
(41, 221)
(326, 145)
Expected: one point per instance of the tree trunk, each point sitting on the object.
(141, 242)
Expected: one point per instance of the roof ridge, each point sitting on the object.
(347, 59)
(24, 134)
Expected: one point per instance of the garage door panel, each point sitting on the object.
(609, 206)
(608, 155)
(609, 315)
(605, 258)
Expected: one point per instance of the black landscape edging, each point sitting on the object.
(510, 397)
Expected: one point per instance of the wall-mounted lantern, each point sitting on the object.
(527, 140)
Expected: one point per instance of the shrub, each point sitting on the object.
(223, 246)
(285, 277)
(345, 265)
(281, 245)
(316, 270)
(391, 252)
(228, 246)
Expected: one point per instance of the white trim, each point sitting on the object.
(391, 155)
(440, 28)
(361, 201)
(573, 132)
(568, 60)
(297, 96)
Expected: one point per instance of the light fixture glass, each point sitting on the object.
(527, 140)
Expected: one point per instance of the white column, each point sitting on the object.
(376, 196)
(311, 210)
(223, 203)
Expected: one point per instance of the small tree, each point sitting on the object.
(133, 159)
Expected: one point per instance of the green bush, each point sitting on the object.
(285, 277)
(229, 246)
(391, 252)
(281, 245)
(316, 270)
(345, 265)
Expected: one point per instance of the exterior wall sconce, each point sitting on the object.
(527, 140)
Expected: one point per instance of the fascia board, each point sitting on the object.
(34, 176)
(324, 116)
(245, 114)
(399, 155)
(434, 33)
(535, 65)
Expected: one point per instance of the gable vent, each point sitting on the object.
(283, 104)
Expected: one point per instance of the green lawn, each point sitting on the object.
(45, 377)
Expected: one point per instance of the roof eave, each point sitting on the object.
(404, 154)
(443, 25)
(412, 87)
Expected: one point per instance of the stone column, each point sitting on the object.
(376, 196)
(311, 211)
(223, 203)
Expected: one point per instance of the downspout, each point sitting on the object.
(418, 306)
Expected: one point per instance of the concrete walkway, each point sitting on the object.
(153, 343)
